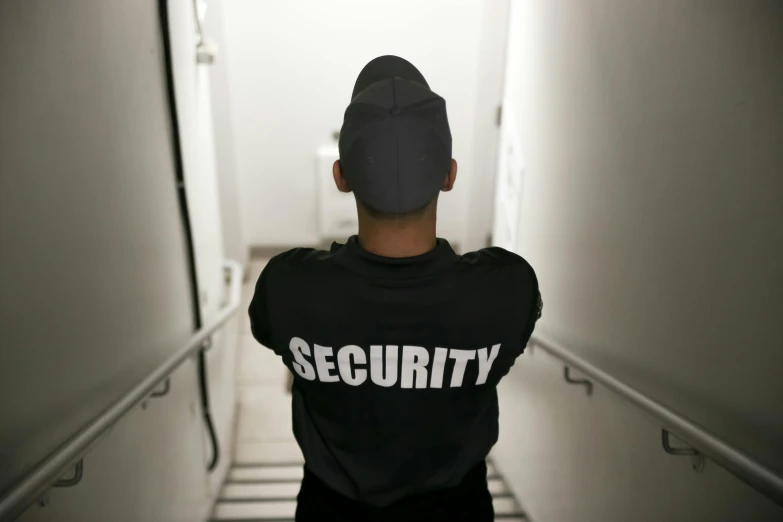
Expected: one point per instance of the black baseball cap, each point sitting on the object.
(395, 142)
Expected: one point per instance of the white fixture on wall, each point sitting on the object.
(336, 210)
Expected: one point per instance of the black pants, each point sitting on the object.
(470, 501)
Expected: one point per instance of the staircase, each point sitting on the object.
(266, 491)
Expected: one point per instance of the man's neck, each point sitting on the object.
(397, 240)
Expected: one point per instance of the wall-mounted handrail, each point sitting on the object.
(734, 460)
(47, 472)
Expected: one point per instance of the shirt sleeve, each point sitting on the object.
(260, 325)
(535, 315)
(536, 309)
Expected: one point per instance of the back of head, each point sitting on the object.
(395, 142)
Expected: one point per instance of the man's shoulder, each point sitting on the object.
(299, 260)
(495, 256)
(297, 256)
(507, 266)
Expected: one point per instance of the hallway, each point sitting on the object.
(263, 480)
(154, 154)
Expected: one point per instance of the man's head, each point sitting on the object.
(395, 144)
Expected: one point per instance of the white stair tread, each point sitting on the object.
(268, 452)
(289, 490)
(505, 506)
(497, 487)
(266, 473)
(285, 490)
(276, 452)
(287, 509)
(491, 470)
(254, 510)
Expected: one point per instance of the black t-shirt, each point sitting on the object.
(395, 360)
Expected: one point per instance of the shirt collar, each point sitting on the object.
(355, 258)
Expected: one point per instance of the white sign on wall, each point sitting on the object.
(508, 184)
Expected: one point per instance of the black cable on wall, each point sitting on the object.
(183, 205)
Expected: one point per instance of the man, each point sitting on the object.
(396, 342)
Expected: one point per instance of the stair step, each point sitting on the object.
(505, 506)
(284, 491)
(258, 510)
(498, 487)
(287, 471)
(289, 490)
(492, 470)
(261, 510)
(265, 474)
(268, 452)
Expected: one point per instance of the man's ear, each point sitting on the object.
(339, 179)
(451, 177)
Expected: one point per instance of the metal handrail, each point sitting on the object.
(734, 460)
(46, 473)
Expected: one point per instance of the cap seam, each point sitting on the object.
(397, 139)
(423, 121)
(375, 121)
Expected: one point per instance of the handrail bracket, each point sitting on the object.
(697, 459)
(580, 382)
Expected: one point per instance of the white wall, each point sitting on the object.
(234, 244)
(192, 90)
(91, 230)
(490, 75)
(652, 211)
(291, 68)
